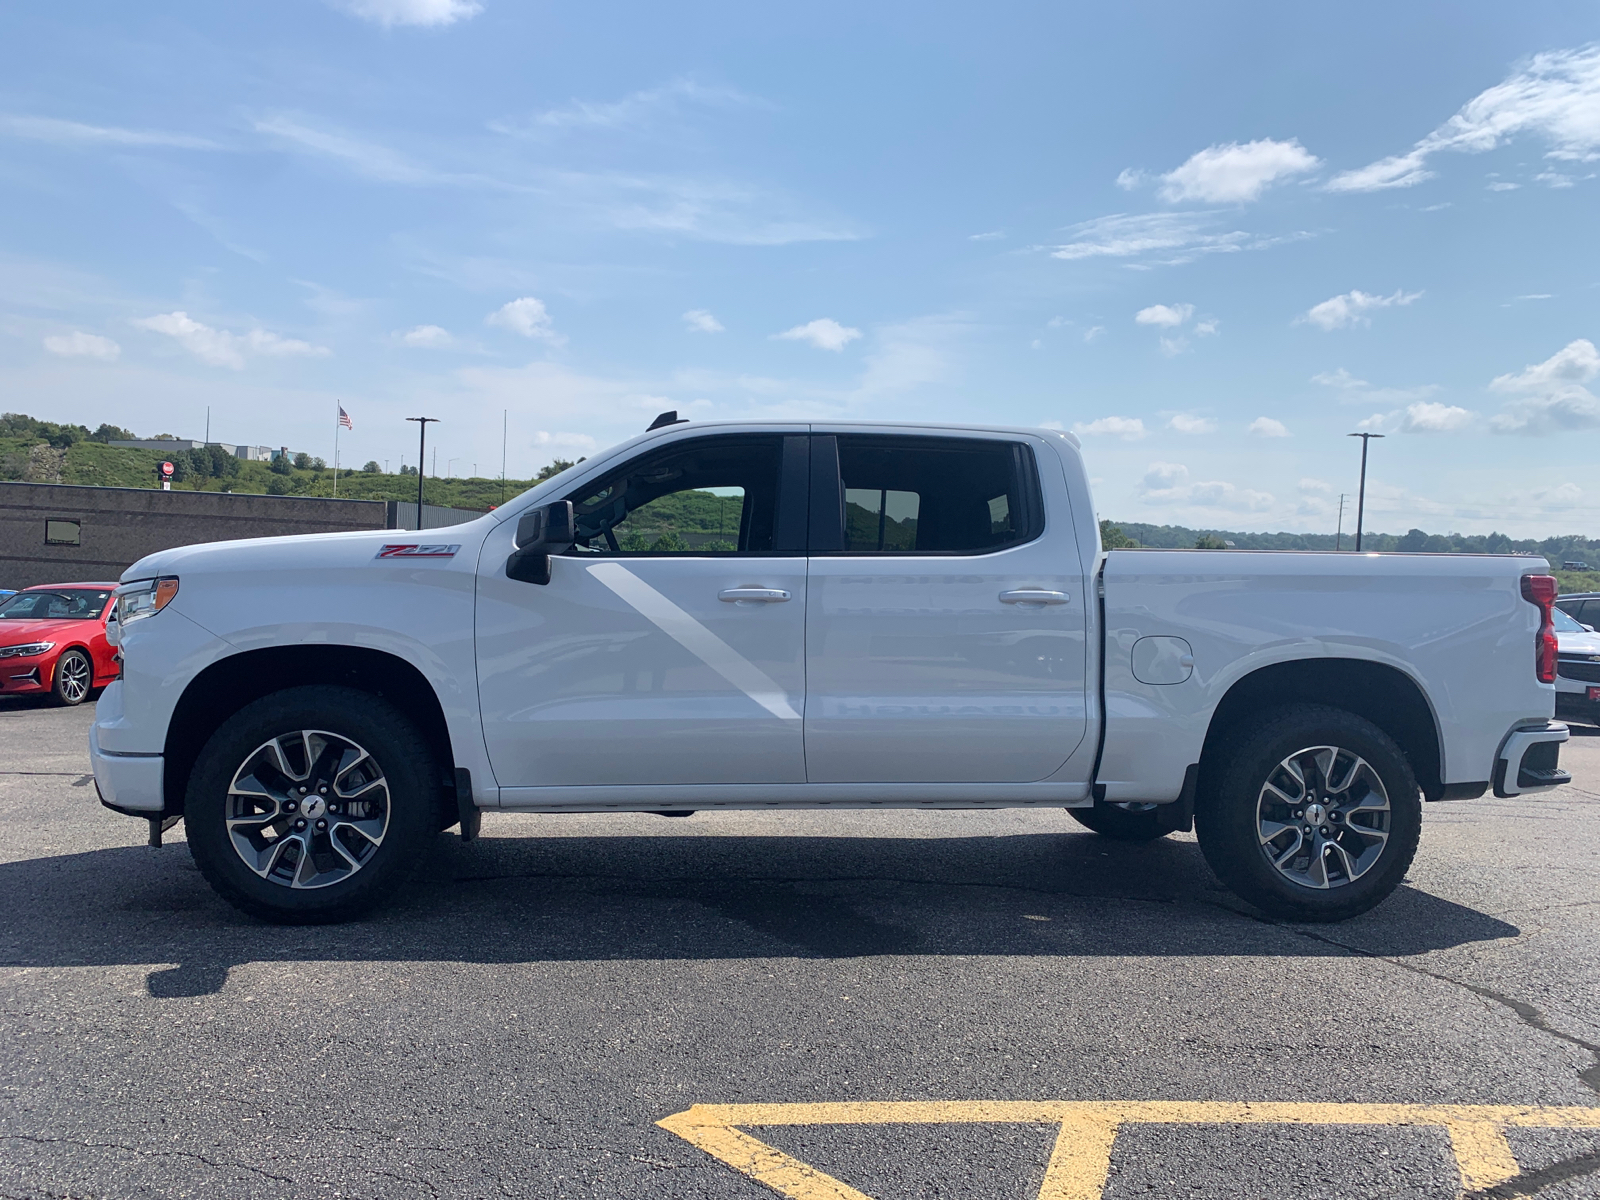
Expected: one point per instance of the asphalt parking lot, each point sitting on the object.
(964, 1005)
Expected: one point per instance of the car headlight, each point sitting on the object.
(145, 598)
(26, 650)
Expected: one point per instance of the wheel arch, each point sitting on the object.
(230, 683)
(1378, 692)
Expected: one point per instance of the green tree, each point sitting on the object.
(112, 433)
(1209, 541)
(371, 467)
(1112, 537)
(302, 461)
(281, 465)
(669, 543)
(554, 468)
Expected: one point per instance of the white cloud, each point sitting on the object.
(1555, 96)
(1351, 309)
(1168, 483)
(366, 158)
(1235, 173)
(66, 133)
(528, 317)
(1552, 397)
(1168, 239)
(698, 320)
(1128, 179)
(412, 12)
(1429, 416)
(636, 110)
(1128, 428)
(83, 345)
(1189, 423)
(1210, 327)
(1316, 485)
(994, 235)
(824, 333)
(1094, 333)
(1425, 416)
(1168, 316)
(1171, 346)
(1338, 379)
(430, 337)
(221, 348)
(1268, 427)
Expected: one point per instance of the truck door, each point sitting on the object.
(668, 646)
(945, 619)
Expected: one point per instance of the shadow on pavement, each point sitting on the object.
(688, 897)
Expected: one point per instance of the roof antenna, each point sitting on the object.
(667, 418)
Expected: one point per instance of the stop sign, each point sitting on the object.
(166, 468)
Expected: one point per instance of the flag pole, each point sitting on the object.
(337, 409)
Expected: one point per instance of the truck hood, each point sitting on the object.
(1578, 643)
(301, 550)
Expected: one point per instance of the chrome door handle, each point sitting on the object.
(1033, 596)
(753, 595)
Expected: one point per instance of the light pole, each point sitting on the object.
(1361, 496)
(422, 447)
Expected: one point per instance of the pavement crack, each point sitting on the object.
(1525, 1012)
(1530, 1183)
(219, 1164)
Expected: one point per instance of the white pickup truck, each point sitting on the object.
(783, 615)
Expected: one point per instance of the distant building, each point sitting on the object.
(248, 453)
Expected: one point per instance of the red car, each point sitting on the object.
(53, 641)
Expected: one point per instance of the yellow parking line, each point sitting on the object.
(1081, 1157)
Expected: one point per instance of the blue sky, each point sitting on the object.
(1211, 239)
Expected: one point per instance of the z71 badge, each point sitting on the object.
(416, 550)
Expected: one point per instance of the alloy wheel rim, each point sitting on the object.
(74, 678)
(1322, 817)
(307, 809)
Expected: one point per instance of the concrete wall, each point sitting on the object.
(403, 515)
(119, 526)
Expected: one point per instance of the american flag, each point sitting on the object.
(344, 419)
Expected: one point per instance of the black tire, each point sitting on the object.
(1231, 806)
(406, 803)
(74, 679)
(1123, 822)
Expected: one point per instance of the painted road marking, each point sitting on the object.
(1081, 1159)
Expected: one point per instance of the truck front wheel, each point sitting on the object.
(311, 805)
(1314, 816)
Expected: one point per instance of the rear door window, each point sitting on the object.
(931, 495)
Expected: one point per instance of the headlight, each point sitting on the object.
(25, 651)
(145, 598)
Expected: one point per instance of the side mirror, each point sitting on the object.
(540, 533)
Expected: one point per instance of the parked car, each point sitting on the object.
(1575, 566)
(896, 616)
(1577, 671)
(1582, 607)
(53, 641)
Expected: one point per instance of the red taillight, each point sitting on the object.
(1541, 590)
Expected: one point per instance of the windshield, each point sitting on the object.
(1565, 624)
(57, 604)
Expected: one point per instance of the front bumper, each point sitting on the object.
(1528, 761)
(128, 783)
(20, 676)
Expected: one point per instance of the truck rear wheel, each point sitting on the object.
(1314, 817)
(311, 805)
